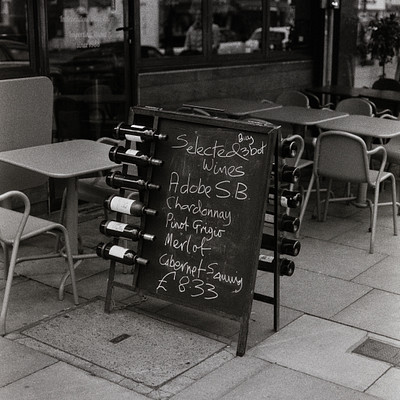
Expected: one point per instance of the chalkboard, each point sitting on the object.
(211, 205)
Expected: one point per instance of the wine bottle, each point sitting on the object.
(288, 149)
(117, 180)
(111, 251)
(288, 174)
(286, 222)
(291, 247)
(287, 198)
(266, 263)
(136, 133)
(120, 229)
(127, 206)
(119, 154)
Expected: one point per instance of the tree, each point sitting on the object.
(384, 41)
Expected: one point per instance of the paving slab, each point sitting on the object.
(385, 241)
(338, 260)
(207, 322)
(280, 383)
(377, 312)
(18, 361)
(328, 229)
(320, 348)
(133, 345)
(222, 380)
(387, 387)
(314, 293)
(261, 324)
(51, 271)
(96, 285)
(65, 382)
(31, 302)
(384, 275)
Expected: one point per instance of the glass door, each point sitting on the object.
(87, 45)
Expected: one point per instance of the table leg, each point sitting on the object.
(71, 223)
(361, 200)
(71, 213)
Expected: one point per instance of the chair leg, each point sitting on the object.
(318, 190)
(394, 201)
(374, 217)
(6, 252)
(7, 290)
(328, 194)
(305, 202)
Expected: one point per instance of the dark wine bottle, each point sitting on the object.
(287, 198)
(291, 247)
(136, 133)
(288, 149)
(117, 180)
(119, 154)
(266, 263)
(120, 229)
(286, 222)
(127, 206)
(288, 174)
(110, 251)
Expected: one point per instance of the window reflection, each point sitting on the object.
(176, 27)
(165, 24)
(87, 63)
(194, 35)
(290, 25)
(14, 51)
(238, 20)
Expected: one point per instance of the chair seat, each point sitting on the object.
(10, 221)
(373, 175)
(393, 150)
(302, 163)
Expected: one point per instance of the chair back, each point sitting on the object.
(293, 98)
(26, 115)
(313, 100)
(342, 156)
(355, 106)
(386, 84)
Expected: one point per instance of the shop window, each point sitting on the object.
(214, 30)
(14, 50)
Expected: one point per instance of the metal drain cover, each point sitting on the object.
(379, 351)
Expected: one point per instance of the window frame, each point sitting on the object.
(36, 42)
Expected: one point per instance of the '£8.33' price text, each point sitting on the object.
(195, 287)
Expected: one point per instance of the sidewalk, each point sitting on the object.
(339, 296)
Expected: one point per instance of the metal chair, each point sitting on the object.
(386, 84)
(296, 162)
(293, 98)
(16, 227)
(355, 106)
(392, 147)
(315, 102)
(349, 162)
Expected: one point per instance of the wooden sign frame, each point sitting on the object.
(214, 183)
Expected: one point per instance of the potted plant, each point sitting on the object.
(384, 42)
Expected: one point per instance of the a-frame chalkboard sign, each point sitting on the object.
(214, 182)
